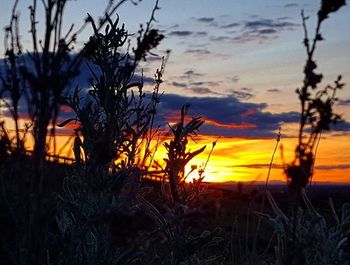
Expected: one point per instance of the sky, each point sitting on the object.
(238, 64)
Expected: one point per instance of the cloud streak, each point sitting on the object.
(180, 33)
(255, 30)
(205, 19)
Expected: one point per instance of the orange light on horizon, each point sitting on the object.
(246, 160)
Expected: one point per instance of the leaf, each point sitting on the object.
(319, 37)
(193, 154)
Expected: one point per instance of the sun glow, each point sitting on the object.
(236, 159)
(247, 160)
(239, 159)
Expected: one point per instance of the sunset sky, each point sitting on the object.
(237, 63)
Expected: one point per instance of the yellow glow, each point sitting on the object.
(237, 159)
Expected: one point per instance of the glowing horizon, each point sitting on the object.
(237, 159)
(237, 64)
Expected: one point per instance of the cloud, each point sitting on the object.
(201, 33)
(289, 5)
(263, 29)
(344, 102)
(203, 91)
(180, 33)
(191, 74)
(255, 30)
(178, 84)
(341, 126)
(199, 87)
(267, 31)
(175, 26)
(231, 25)
(227, 116)
(274, 90)
(198, 51)
(243, 94)
(205, 19)
(205, 53)
(220, 38)
(204, 83)
(250, 37)
(269, 23)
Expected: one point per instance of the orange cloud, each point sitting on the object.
(174, 117)
(230, 125)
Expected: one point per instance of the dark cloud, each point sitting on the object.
(269, 23)
(252, 37)
(256, 30)
(205, 53)
(178, 84)
(284, 18)
(180, 33)
(198, 51)
(227, 116)
(344, 102)
(205, 19)
(341, 126)
(201, 33)
(192, 73)
(274, 90)
(231, 25)
(291, 5)
(259, 30)
(83, 80)
(174, 26)
(220, 38)
(205, 83)
(243, 94)
(267, 31)
(203, 91)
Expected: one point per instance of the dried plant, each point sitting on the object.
(38, 80)
(179, 156)
(118, 114)
(113, 125)
(317, 113)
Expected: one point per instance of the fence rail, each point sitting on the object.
(56, 158)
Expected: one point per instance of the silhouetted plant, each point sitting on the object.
(303, 236)
(179, 156)
(117, 116)
(316, 105)
(40, 79)
(42, 76)
(113, 124)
